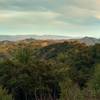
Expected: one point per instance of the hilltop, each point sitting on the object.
(47, 38)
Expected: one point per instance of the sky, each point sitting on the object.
(50, 17)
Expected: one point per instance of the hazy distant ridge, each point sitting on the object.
(22, 37)
(87, 40)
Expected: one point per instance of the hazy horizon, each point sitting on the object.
(71, 36)
(75, 18)
(41, 34)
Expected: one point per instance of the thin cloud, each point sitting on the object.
(65, 16)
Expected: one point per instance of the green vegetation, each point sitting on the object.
(4, 95)
(62, 71)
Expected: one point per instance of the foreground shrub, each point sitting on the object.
(4, 95)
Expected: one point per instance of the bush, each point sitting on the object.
(4, 95)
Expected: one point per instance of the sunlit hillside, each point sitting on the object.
(50, 70)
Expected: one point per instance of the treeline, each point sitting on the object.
(62, 71)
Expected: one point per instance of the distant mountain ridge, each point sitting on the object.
(89, 40)
(86, 40)
(22, 37)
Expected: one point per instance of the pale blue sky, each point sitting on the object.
(50, 17)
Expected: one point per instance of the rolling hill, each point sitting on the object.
(27, 38)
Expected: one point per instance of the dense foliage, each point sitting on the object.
(4, 95)
(62, 71)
